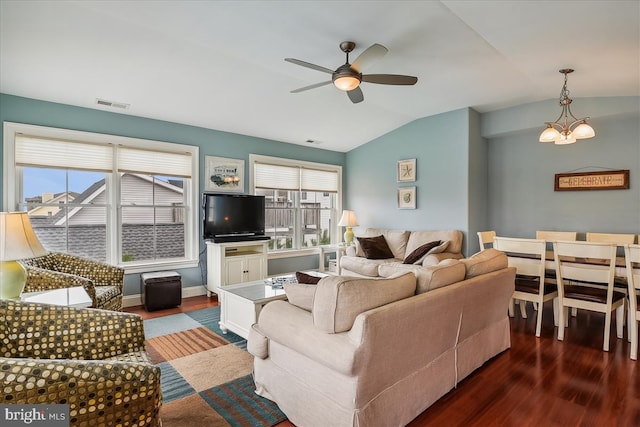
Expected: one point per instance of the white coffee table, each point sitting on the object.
(240, 304)
(71, 297)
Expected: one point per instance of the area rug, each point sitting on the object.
(206, 375)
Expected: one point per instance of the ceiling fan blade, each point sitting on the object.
(356, 95)
(302, 89)
(309, 65)
(389, 79)
(370, 55)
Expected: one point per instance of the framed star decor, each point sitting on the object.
(406, 170)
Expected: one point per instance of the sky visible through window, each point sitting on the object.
(38, 180)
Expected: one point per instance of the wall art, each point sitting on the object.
(223, 174)
(407, 198)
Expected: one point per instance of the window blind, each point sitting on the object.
(294, 178)
(59, 153)
(136, 160)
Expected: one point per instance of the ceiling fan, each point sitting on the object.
(348, 77)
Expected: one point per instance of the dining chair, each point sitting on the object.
(632, 259)
(485, 238)
(619, 239)
(551, 236)
(586, 277)
(528, 256)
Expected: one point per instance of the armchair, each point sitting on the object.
(103, 282)
(93, 360)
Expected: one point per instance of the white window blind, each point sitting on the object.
(136, 160)
(59, 153)
(295, 178)
(279, 177)
(318, 180)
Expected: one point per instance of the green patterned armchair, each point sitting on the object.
(93, 360)
(103, 282)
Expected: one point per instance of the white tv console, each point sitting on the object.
(235, 262)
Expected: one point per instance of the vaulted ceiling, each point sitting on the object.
(220, 64)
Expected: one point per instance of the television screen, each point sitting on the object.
(229, 217)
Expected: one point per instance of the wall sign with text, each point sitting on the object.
(603, 180)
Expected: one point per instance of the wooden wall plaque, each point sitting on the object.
(603, 180)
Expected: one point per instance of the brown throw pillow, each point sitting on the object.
(420, 252)
(307, 279)
(375, 247)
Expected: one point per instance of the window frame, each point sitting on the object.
(12, 188)
(280, 161)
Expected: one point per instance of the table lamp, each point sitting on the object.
(348, 220)
(17, 241)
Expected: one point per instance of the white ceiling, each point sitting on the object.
(220, 64)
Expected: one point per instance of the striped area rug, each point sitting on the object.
(206, 375)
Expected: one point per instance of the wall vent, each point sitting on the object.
(112, 104)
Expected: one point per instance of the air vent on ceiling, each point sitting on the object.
(112, 104)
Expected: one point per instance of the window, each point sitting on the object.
(121, 200)
(302, 201)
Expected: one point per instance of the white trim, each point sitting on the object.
(293, 253)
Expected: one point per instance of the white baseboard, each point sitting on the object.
(191, 291)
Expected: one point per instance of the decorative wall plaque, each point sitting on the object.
(603, 180)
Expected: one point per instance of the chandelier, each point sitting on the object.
(566, 129)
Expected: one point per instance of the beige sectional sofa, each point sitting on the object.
(379, 351)
(401, 243)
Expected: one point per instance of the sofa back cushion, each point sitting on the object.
(339, 299)
(485, 262)
(396, 240)
(419, 238)
(428, 278)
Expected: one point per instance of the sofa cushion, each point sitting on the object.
(396, 240)
(363, 266)
(485, 262)
(419, 238)
(300, 294)
(375, 247)
(340, 299)
(429, 278)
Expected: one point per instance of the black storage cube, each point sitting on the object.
(160, 290)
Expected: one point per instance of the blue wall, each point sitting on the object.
(211, 142)
(489, 172)
(440, 146)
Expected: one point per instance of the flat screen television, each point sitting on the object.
(233, 217)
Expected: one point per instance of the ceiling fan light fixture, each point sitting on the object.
(346, 83)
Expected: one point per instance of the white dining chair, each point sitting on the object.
(632, 259)
(528, 256)
(588, 265)
(486, 238)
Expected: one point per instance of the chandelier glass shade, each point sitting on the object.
(567, 129)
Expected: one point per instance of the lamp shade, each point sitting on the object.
(17, 238)
(348, 219)
(549, 134)
(584, 131)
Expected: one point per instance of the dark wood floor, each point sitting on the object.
(538, 382)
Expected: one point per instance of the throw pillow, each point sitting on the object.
(300, 295)
(375, 247)
(417, 255)
(307, 279)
